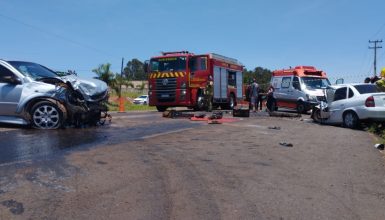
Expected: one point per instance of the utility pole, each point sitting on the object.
(121, 99)
(375, 53)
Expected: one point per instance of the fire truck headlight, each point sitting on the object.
(183, 86)
(150, 93)
(150, 86)
(182, 95)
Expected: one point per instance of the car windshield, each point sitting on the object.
(168, 64)
(33, 70)
(143, 97)
(315, 83)
(367, 88)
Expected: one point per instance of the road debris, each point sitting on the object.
(15, 207)
(284, 144)
(177, 114)
(379, 146)
(284, 114)
(274, 128)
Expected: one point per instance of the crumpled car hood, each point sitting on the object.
(91, 88)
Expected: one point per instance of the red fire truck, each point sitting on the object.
(180, 78)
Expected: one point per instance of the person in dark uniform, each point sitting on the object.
(261, 97)
(209, 94)
(270, 98)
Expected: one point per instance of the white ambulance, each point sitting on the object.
(298, 88)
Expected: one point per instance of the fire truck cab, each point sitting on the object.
(180, 78)
(298, 88)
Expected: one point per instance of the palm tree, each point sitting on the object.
(141, 87)
(104, 73)
(118, 81)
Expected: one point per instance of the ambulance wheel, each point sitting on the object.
(301, 107)
(161, 108)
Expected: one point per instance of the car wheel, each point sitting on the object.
(316, 115)
(350, 120)
(46, 115)
(161, 108)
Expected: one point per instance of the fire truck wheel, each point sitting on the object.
(161, 108)
(231, 102)
(200, 102)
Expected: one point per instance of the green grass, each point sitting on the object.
(114, 105)
(378, 129)
(130, 107)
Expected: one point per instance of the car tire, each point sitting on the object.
(350, 120)
(161, 108)
(46, 115)
(316, 116)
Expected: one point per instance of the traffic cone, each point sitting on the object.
(121, 105)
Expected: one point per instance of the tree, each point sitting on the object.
(141, 87)
(261, 74)
(134, 70)
(119, 81)
(104, 73)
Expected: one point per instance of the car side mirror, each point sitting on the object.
(10, 80)
(340, 81)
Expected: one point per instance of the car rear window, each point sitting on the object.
(369, 88)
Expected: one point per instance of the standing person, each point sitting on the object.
(261, 96)
(270, 98)
(254, 95)
(209, 94)
(381, 82)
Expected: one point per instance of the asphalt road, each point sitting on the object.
(143, 166)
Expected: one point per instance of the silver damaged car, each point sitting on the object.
(31, 94)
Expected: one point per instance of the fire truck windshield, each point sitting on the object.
(167, 64)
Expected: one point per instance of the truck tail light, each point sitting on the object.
(370, 102)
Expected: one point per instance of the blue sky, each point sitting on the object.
(332, 35)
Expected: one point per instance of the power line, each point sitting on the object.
(55, 35)
(379, 30)
(375, 53)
